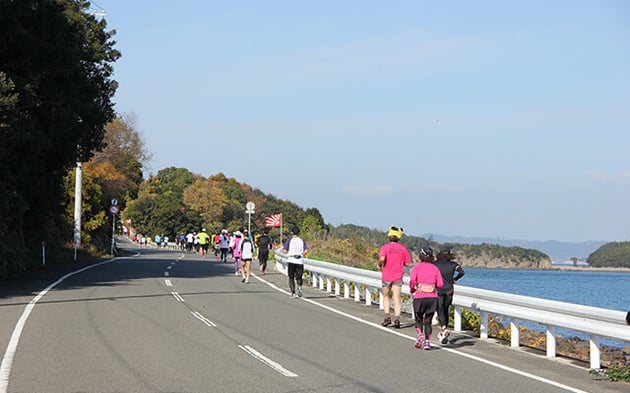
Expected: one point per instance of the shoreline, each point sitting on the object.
(590, 269)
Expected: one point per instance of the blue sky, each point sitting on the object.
(485, 118)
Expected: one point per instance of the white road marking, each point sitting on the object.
(203, 319)
(9, 354)
(177, 296)
(268, 362)
(168, 283)
(472, 357)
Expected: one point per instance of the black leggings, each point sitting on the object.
(444, 304)
(424, 308)
(263, 255)
(295, 274)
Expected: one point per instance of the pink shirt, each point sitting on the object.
(428, 274)
(396, 258)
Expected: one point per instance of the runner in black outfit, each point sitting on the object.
(264, 244)
(447, 267)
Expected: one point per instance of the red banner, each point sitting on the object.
(275, 220)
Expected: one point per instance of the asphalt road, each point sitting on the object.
(166, 321)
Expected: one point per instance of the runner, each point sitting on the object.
(447, 266)
(224, 245)
(235, 246)
(204, 242)
(424, 278)
(265, 244)
(297, 249)
(247, 254)
(392, 259)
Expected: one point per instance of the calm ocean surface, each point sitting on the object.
(609, 290)
(599, 289)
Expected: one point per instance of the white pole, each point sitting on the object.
(77, 207)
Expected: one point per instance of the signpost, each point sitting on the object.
(249, 209)
(114, 209)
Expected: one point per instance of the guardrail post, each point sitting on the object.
(515, 334)
(368, 296)
(595, 352)
(457, 318)
(357, 292)
(551, 342)
(315, 275)
(321, 282)
(328, 284)
(483, 324)
(346, 289)
(380, 299)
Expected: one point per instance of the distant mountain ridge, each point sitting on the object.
(558, 251)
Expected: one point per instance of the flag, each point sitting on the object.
(275, 220)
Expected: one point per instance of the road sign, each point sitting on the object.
(114, 201)
(114, 209)
(250, 206)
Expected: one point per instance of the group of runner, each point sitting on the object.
(430, 282)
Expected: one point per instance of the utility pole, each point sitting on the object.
(77, 207)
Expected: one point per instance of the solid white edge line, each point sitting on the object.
(9, 354)
(268, 362)
(472, 357)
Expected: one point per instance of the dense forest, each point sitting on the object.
(56, 110)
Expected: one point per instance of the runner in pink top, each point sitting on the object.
(424, 280)
(392, 259)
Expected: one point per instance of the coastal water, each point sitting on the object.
(609, 290)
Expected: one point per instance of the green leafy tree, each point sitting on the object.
(56, 59)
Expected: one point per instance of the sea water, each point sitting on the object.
(609, 290)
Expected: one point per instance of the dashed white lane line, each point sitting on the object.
(453, 351)
(203, 319)
(168, 283)
(177, 297)
(268, 362)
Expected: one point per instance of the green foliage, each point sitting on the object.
(615, 373)
(615, 254)
(55, 98)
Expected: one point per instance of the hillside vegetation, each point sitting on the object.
(615, 254)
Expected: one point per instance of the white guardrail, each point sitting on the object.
(596, 323)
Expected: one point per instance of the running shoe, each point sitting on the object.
(293, 296)
(387, 321)
(247, 281)
(243, 279)
(440, 336)
(444, 335)
(397, 323)
(427, 345)
(420, 341)
(299, 292)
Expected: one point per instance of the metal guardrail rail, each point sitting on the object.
(596, 323)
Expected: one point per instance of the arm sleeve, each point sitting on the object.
(460, 272)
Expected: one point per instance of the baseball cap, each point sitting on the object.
(426, 251)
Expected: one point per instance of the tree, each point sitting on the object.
(56, 59)
(160, 208)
